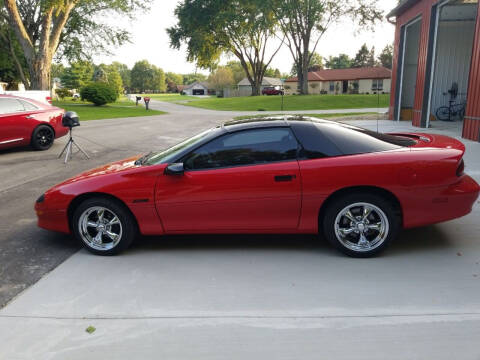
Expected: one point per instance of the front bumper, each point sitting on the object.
(51, 219)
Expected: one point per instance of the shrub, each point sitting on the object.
(63, 93)
(98, 93)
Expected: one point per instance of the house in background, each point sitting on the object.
(370, 80)
(245, 88)
(437, 45)
(197, 88)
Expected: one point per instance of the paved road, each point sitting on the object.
(217, 297)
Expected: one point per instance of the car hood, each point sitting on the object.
(108, 169)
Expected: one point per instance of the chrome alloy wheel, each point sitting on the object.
(100, 228)
(361, 227)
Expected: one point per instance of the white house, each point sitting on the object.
(197, 88)
(369, 80)
(245, 88)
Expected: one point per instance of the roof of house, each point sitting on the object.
(401, 7)
(203, 83)
(347, 74)
(267, 81)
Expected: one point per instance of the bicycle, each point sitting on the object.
(451, 112)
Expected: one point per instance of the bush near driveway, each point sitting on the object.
(99, 93)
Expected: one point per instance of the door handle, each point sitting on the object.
(29, 117)
(284, 178)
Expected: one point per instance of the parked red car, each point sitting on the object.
(29, 122)
(272, 91)
(295, 175)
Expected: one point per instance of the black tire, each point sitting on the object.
(126, 228)
(42, 137)
(383, 215)
(443, 113)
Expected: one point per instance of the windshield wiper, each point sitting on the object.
(143, 159)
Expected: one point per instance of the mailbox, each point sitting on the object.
(147, 101)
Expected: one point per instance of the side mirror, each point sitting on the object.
(175, 169)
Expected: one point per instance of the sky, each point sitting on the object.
(150, 41)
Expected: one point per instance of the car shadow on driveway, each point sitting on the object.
(418, 240)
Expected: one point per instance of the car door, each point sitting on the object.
(244, 181)
(11, 122)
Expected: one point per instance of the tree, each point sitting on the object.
(342, 61)
(364, 57)
(211, 28)
(145, 76)
(386, 57)
(172, 80)
(13, 67)
(44, 26)
(315, 64)
(189, 79)
(77, 75)
(237, 71)
(221, 78)
(124, 73)
(273, 73)
(303, 22)
(113, 78)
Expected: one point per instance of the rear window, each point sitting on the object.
(27, 105)
(351, 140)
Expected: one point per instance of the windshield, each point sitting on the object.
(167, 155)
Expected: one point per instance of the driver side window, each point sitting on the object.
(247, 147)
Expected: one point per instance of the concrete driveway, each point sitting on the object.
(217, 297)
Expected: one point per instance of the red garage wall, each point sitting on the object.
(423, 9)
(471, 124)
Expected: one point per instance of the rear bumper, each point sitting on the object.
(60, 131)
(442, 204)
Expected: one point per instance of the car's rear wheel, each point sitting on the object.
(361, 225)
(43, 137)
(103, 226)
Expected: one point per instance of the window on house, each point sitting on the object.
(377, 84)
(332, 86)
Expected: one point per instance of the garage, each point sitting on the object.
(436, 70)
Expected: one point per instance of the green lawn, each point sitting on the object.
(291, 103)
(120, 109)
(318, 116)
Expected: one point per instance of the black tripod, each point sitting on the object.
(69, 149)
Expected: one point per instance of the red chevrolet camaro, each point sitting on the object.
(281, 175)
(29, 122)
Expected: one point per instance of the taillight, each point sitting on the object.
(461, 168)
(49, 99)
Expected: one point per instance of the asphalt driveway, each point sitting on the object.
(217, 297)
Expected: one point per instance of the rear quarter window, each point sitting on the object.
(351, 140)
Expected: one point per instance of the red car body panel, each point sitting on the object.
(16, 129)
(272, 91)
(424, 179)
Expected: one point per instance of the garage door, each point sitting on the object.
(198, 92)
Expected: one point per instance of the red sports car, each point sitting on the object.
(29, 122)
(281, 175)
(272, 91)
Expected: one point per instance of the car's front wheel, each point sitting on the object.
(103, 226)
(361, 225)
